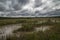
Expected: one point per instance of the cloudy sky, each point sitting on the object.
(29, 8)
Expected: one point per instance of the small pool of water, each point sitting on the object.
(42, 28)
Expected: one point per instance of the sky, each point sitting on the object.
(29, 8)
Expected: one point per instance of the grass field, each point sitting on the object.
(6, 21)
(28, 26)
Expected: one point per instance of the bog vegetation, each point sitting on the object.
(28, 25)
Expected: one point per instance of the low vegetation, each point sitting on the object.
(52, 34)
(28, 25)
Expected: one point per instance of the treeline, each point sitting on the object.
(27, 17)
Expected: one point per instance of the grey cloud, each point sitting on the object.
(2, 8)
(23, 1)
(38, 3)
(39, 9)
(2, 0)
(17, 7)
(56, 0)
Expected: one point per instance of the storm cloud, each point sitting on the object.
(18, 8)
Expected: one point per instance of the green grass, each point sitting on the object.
(6, 21)
(52, 34)
(28, 25)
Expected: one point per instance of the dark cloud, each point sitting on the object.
(2, 0)
(38, 3)
(56, 0)
(19, 7)
(15, 4)
(2, 8)
(23, 1)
